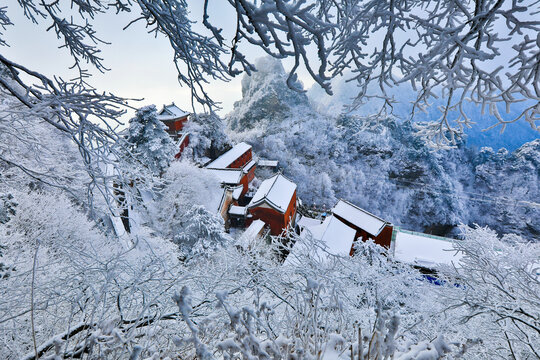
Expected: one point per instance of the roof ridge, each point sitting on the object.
(224, 169)
(271, 186)
(430, 236)
(363, 210)
(328, 225)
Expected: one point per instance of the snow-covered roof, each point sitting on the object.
(318, 230)
(267, 163)
(423, 249)
(237, 210)
(308, 222)
(252, 232)
(276, 191)
(171, 112)
(248, 166)
(255, 228)
(183, 137)
(332, 237)
(237, 192)
(338, 237)
(227, 176)
(230, 156)
(359, 217)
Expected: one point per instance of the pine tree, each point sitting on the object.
(149, 141)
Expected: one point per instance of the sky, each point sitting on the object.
(141, 65)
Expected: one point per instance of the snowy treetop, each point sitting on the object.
(277, 191)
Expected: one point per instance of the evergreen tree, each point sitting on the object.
(149, 141)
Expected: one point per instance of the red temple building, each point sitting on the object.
(274, 203)
(235, 167)
(175, 119)
(366, 225)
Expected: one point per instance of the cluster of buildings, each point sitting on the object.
(271, 208)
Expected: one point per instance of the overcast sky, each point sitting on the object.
(140, 64)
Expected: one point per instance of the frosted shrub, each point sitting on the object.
(250, 332)
(74, 288)
(185, 185)
(7, 207)
(207, 138)
(200, 232)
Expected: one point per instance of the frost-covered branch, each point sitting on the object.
(500, 279)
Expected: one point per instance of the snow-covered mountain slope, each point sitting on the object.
(383, 167)
(515, 134)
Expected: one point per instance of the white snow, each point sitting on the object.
(267, 163)
(237, 210)
(338, 237)
(230, 156)
(227, 176)
(308, 222)
(359, 217)
(424, 250)
(277, 191)
(237, 192)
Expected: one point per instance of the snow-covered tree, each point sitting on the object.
(207, 137)
(185, 185)
(200, 232)
(149, 141)
(366, 159)
(499, 282)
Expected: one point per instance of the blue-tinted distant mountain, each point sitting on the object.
(515, 134)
